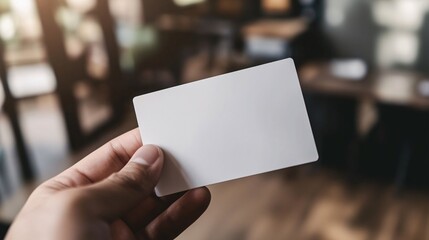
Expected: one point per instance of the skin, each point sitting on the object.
(109, 195)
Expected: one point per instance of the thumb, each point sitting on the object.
(124, 190)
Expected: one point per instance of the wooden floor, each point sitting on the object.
(311, 203)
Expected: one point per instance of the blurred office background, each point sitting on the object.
(69, 69)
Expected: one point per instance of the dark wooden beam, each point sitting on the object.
(63, 68)
(11, 110)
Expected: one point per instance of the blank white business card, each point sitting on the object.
(227, 127)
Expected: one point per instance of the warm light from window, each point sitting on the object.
(184, 3)
(403, 14)
(22, 7)
(396, 47)
(30, 80)
(127, 13)
(90, 31)
(335, 17)
(7, 27)
(81, 5)
(276, 6)
(335, 12)
(69, 19)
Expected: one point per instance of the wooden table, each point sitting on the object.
(402, 106)
(382, 86)
(286, 29)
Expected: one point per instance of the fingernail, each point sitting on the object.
(147, 155)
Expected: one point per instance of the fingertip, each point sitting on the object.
(201, 196)
(160, 154)
(148, 155)
(180, 215)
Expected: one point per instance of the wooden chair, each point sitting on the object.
(69, 71)
(10, 109)
(423, 58)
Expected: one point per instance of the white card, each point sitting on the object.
(227, 127)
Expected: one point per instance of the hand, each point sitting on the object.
(109, 195)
